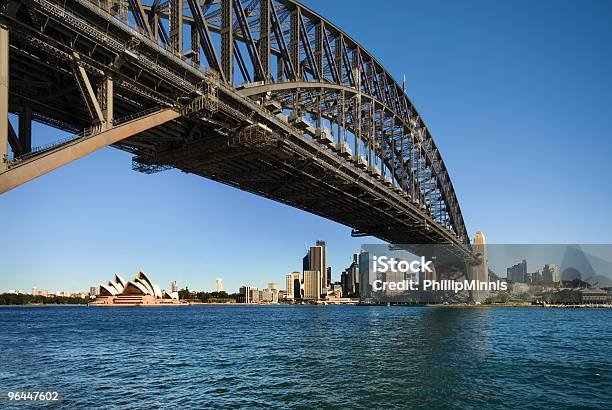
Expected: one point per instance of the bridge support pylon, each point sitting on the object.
(4, 84)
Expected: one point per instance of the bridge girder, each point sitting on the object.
(314, 86)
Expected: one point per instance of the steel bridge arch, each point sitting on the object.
(293, 63)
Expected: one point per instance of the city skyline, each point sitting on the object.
(86, 220)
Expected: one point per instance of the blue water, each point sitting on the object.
(308, 357)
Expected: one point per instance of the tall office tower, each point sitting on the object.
(348, 278)
(518, 272)
(244, 292)
(326, 279)
(293, 285)
(550, 274)
(306, 262)
(480, 272)
(329, 276)
(289, 293)
(173, 286)
(364, 273)
(317, 255)
(297, 285)
(218, 285)
(312, 285)
(254, 295)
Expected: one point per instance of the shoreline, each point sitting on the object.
(462, 306)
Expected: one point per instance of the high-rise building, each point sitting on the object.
(34, 291)
(297, 285)
(318, 263)
(248, 294)
(293, 285)
(329, 276)
(94, 290)
(270, 294)
(349, 278)
(326, 280)
(312, 284)
(364, 273)
(173, 286)
(306, 261)
(551, 274)
(517, 273)
(290, 294)
(219, 285)
(480, 272)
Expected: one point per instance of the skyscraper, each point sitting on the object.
(518, 272)
(293, 285)
(306, 262)
(364, 273)
(480, 272)
(312, 285)
(173, 286)
(326, 280)
(290, 294)
(297, 285)
(551, 274)
(317, 261)
(218, 285)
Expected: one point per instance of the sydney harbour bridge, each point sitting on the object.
(263, 95)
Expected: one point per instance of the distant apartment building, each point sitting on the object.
(94, 291)
(218, 285)
(248, 294)
(312, 285)
(551, 274)
(173, 286)
(270, 294)
(517, 273)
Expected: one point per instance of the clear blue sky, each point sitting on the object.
(515, 93)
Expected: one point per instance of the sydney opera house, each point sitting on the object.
(137, 292)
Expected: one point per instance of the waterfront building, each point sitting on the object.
(312, 285)
(349, 279)
(289, 286)
(218, 285)
(248, 294)
(517, 273)
(293, 286)
(329, 276)
(94, 291)
(317, 262)
(173, 286)
(479, 272)
(364, 273)
(551, 274)
(139, 291)
(270, 294)
(306, 261)
(297, 285)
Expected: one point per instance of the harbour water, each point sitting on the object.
(308, 357)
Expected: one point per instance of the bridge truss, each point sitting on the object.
(263, 95)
